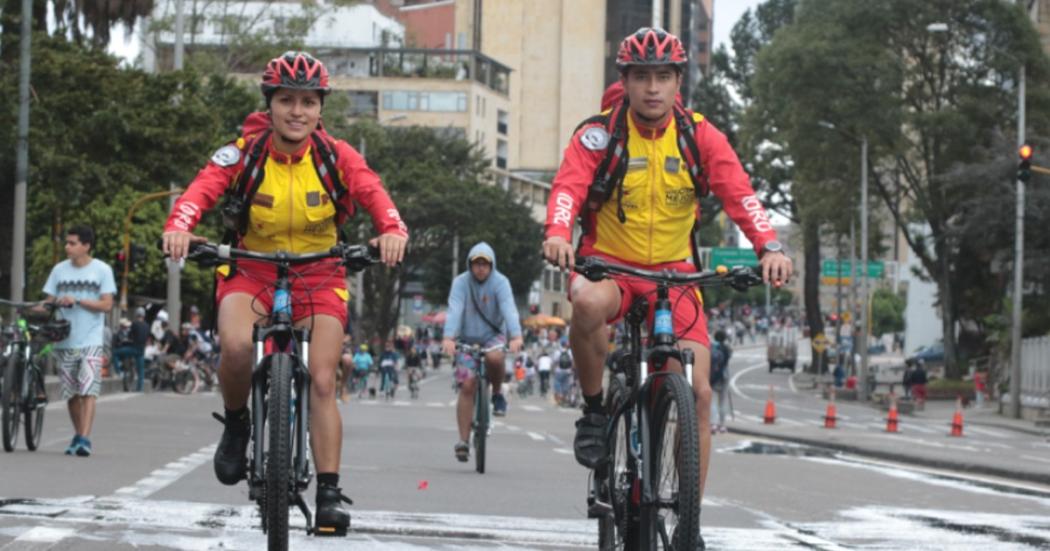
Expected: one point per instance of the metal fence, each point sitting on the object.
(1035, 372)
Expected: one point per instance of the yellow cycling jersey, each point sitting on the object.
(656, 187)
(291, 211)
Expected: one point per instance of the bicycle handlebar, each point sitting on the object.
(740, 277)
(354, 257)
(34, 304)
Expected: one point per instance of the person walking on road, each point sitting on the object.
(85, 287)
(720, 354)
(481, 311)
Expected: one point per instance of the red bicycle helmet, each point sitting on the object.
(651, 46)
(298, 70)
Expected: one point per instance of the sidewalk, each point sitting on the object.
(991, 444)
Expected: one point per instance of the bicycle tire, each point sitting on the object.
(619, 530)
(278, 452)
(128, 380)
(675, 466)
(34, 409)
(9, 399)
(481, 428)
(185, 381)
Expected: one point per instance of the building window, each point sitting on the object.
(557, 281)
(404, 100)
(556, 309)
(501, 121)
(546, 280)
(363, 104)
(501, 154)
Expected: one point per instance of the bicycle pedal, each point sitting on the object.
(598, 509)
(330, 531)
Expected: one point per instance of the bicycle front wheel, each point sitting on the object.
(481, 424)
(35, 405)
(278, 451)
(615, 481)
(185, 381)
(675, 517)
(10, 397)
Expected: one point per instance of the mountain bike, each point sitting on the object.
(23, 396)
(279, 469)
(647, 495)
(481, 422)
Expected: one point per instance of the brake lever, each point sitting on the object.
(591, 268)
(743, 278)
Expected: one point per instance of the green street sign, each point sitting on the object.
(840, 268)
(729, 257)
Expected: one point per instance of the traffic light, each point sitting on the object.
(138, 255)
(1024, 168)
(118, 259)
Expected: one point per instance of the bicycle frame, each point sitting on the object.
(274, 340)
(641, 377)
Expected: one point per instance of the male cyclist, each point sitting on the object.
(481, 310)
(646, 221)
(293, 205)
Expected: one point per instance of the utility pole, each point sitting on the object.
(1015, 328)
(174, 268)
(18, 249)
(863, 337)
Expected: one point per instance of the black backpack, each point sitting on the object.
(565, 360)
(613, 167)
(239, 199)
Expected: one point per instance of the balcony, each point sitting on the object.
(417, 63)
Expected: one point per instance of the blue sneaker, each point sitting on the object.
(499, 405)
(84, 449)
(73, 445)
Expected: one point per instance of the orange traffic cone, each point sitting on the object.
(957, 420)
(891, 419)
(829, 416)
(770, 415)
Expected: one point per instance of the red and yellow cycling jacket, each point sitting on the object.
(658, 196)
(291, 211)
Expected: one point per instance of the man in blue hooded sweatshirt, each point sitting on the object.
(481, 310)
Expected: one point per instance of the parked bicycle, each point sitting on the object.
(23, 397)
(480, 425)
(279, 469)
(647, 495)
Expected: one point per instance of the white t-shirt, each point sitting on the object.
(544, 363)
(88, 282)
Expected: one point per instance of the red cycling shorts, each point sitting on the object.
(318, 288)
(687, 304)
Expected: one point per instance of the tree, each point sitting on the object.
(887, 312)
(442, 189)
(925, 103)
(102, 136)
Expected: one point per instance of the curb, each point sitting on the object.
(1041, 478)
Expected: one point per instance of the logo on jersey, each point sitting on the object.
(563, 209)
(757, 213)
(595, 138)
(226, 155)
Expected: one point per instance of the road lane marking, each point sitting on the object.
(733, 385)
(435, 405)
(565, 451)
(41, 534)
(1034, 458)
(530, 407)
(535, 436)
(165, 476)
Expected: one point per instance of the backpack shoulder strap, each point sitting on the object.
(325, 159)
(686, 120)
(614, 165)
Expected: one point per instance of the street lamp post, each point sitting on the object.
(862, 375)
(864, 328)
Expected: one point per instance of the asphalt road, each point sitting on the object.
(149, 485)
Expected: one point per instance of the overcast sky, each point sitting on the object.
(727, 12)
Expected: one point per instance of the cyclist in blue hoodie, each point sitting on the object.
(481, 310)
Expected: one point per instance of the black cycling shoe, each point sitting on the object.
(331, 519)
(589, 444)
(230, 461)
